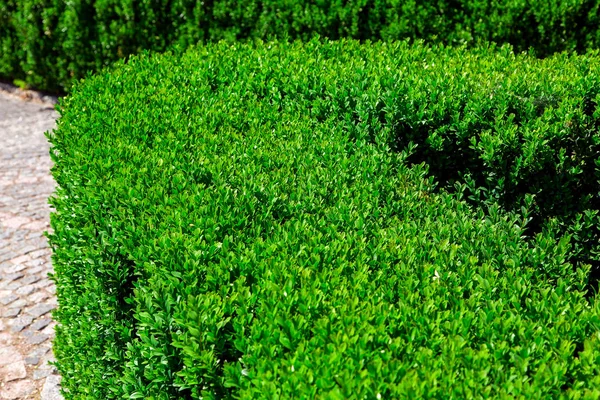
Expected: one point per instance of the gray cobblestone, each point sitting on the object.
(12, 268)
(13, 277)
(35, 270)
(42, 373)
(37, 338)
(12, 286)
(37, 297)
(26, 292)
(49, 330)
(8, 299)
(44, 283)
(34, 234)
(40, 309)
(39, 351)
(29, 279)
(40, 324)
(51, 390)
(32, 360)
(27, 333)
(18, 324)
(19, 303)
(39, 253)
(11, 312)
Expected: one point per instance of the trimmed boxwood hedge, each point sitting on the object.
(252, 221)
(50, 43)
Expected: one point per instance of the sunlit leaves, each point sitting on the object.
(271, 220)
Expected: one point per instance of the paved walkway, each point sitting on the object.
(26, 294)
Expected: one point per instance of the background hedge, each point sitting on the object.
(255, 221)
(50, 43)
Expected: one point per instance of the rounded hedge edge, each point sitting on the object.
(258, 221)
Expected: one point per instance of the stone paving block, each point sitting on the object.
(41, 373)
(27, 333)
(13, 268)
(29, 279)
(8, 355)
(20, 303)
(26, 179)
(17, 389)
(34, 234)
(13, 277)
(44, 283)
(36, 225)
(48, 359)
(35, 270)
(21, 259)
(32, 360)
(39, 253)
(38, 297)
(20, 323)
(6, 300)
(25, 290)
(41, 309)
(27, 250)
(39, 351)
(50, 329)
(4, 266)
(6, 254)
(13, 371)
(40, 324)
(51, 389)
(11, 312)
(35, 356)
(15, 222)
(37, 338)
(13, 285)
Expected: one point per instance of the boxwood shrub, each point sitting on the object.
(51, 43)
(270, 221)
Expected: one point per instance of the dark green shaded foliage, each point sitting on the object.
(9, 58)
(242, 222)
(53, 43)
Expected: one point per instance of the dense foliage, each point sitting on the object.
(50, 43)
(255, 221)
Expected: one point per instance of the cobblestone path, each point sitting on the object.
(26, 293)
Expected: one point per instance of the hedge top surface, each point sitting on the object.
(235, 222)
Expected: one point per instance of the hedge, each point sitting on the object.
(247, 221)
(48, 44)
